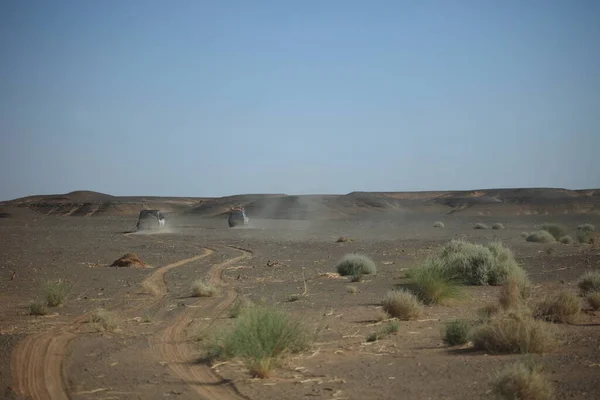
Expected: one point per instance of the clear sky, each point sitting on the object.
(210, 98)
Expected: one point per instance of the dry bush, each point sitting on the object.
(497, 226)
(564, 306)
(480, 225)
(343, 239)
(356, 264)
(439, 224)
(239, 305)
(513, 331)
(567, 240)
(593, 300)
(556, 230)
(351, 289)
(104, 319)
(388, 329)
(504, 264)
(456, 332)
(402, 304)
(37, 308)
(516, 291)
(589, 282)
(586, 228)
(540, 237)
(56, 292)
(202, 289)
(523, 381)
(434, 283)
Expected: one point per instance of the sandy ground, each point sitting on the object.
(154, 353)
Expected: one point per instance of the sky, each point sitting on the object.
(214, 98)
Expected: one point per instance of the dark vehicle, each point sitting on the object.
(150, 219)
(237, 216)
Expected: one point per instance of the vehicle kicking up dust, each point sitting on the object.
(237, 216)
(150, 220)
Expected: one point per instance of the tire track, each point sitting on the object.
(173, 347)
(37, 361)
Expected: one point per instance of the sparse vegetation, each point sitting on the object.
(516, 291)
(498, 226)
(586, 228)
(584, 233)
(202, 289)
(56, 292)
(456, 332)
(356, 278)
(513, 331)
(260, 337)
(104, 319)
(343, 239)
(238, 306)
(524, 235)
(480, 225)
(439, 224)
(593, 300)
(388, 329)
(567, 240)
(433, 283)
(564, 306)
(402, 304)
(356, 264)
(37, 308)
(556, 230)
(351, 289)
(540, 237)
(522, 381)
(589, 283)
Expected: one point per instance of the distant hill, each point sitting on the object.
(520, 201)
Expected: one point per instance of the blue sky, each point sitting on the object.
(210, 98)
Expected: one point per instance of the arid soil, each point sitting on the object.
(156, 349)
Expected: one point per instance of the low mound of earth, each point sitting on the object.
(521, 201)
(129, 260)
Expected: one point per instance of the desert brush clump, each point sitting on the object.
(497, 226)
(351, 289)
(238, 306)
(556, 230)
(589, 282)
(480, 225)
(202, 289)
(104, 319)
(586, 228)
(356, 264)
(593, 300)
(541, 236)
(260, 337)
(516, 291)
(433, 283)
(456, 332)
(522, 381)
(56, 292)
(402, 304)
(386, 330)
(564, 306)
(37, 307)
(513, 332)
(567, 240)
(439, 224)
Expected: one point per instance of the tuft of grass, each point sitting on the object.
(434, 283)
(586, 228)
(202, 289)
(37, 308)
(402, 304)
(356, 264)
(524, 235)
(468, 262)
(239, 305)
(513, 332)
(564, 306)
(56, 292)
(516, 291)
(351, 289)
(504, 264)
(372, 337)
(540, 237)
(104, 319)
(498, 226)
(439, 224)
(480, 225)
(486, 312)
(522, 381)
(260, 337)
(593, 300)
(388, 329)
(556, 230)
(567, 240)
(589, 282)
(456, 332)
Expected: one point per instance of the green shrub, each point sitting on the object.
(512, 332)
(590, 282)
(402, 304)
(433, 283)
(564, 306)
(540, 237)
(439, 224)
(239, 305)
(467, 261)
(593, 300)
(556, 230)
(498, 226)
(356, 264)
(202, 289)
(522, 381)
(567, 240)
(480, 225)
(456, 332)
(504, 264)
(586, 228)
(261, 336)
(56, 292)
(37, 308)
